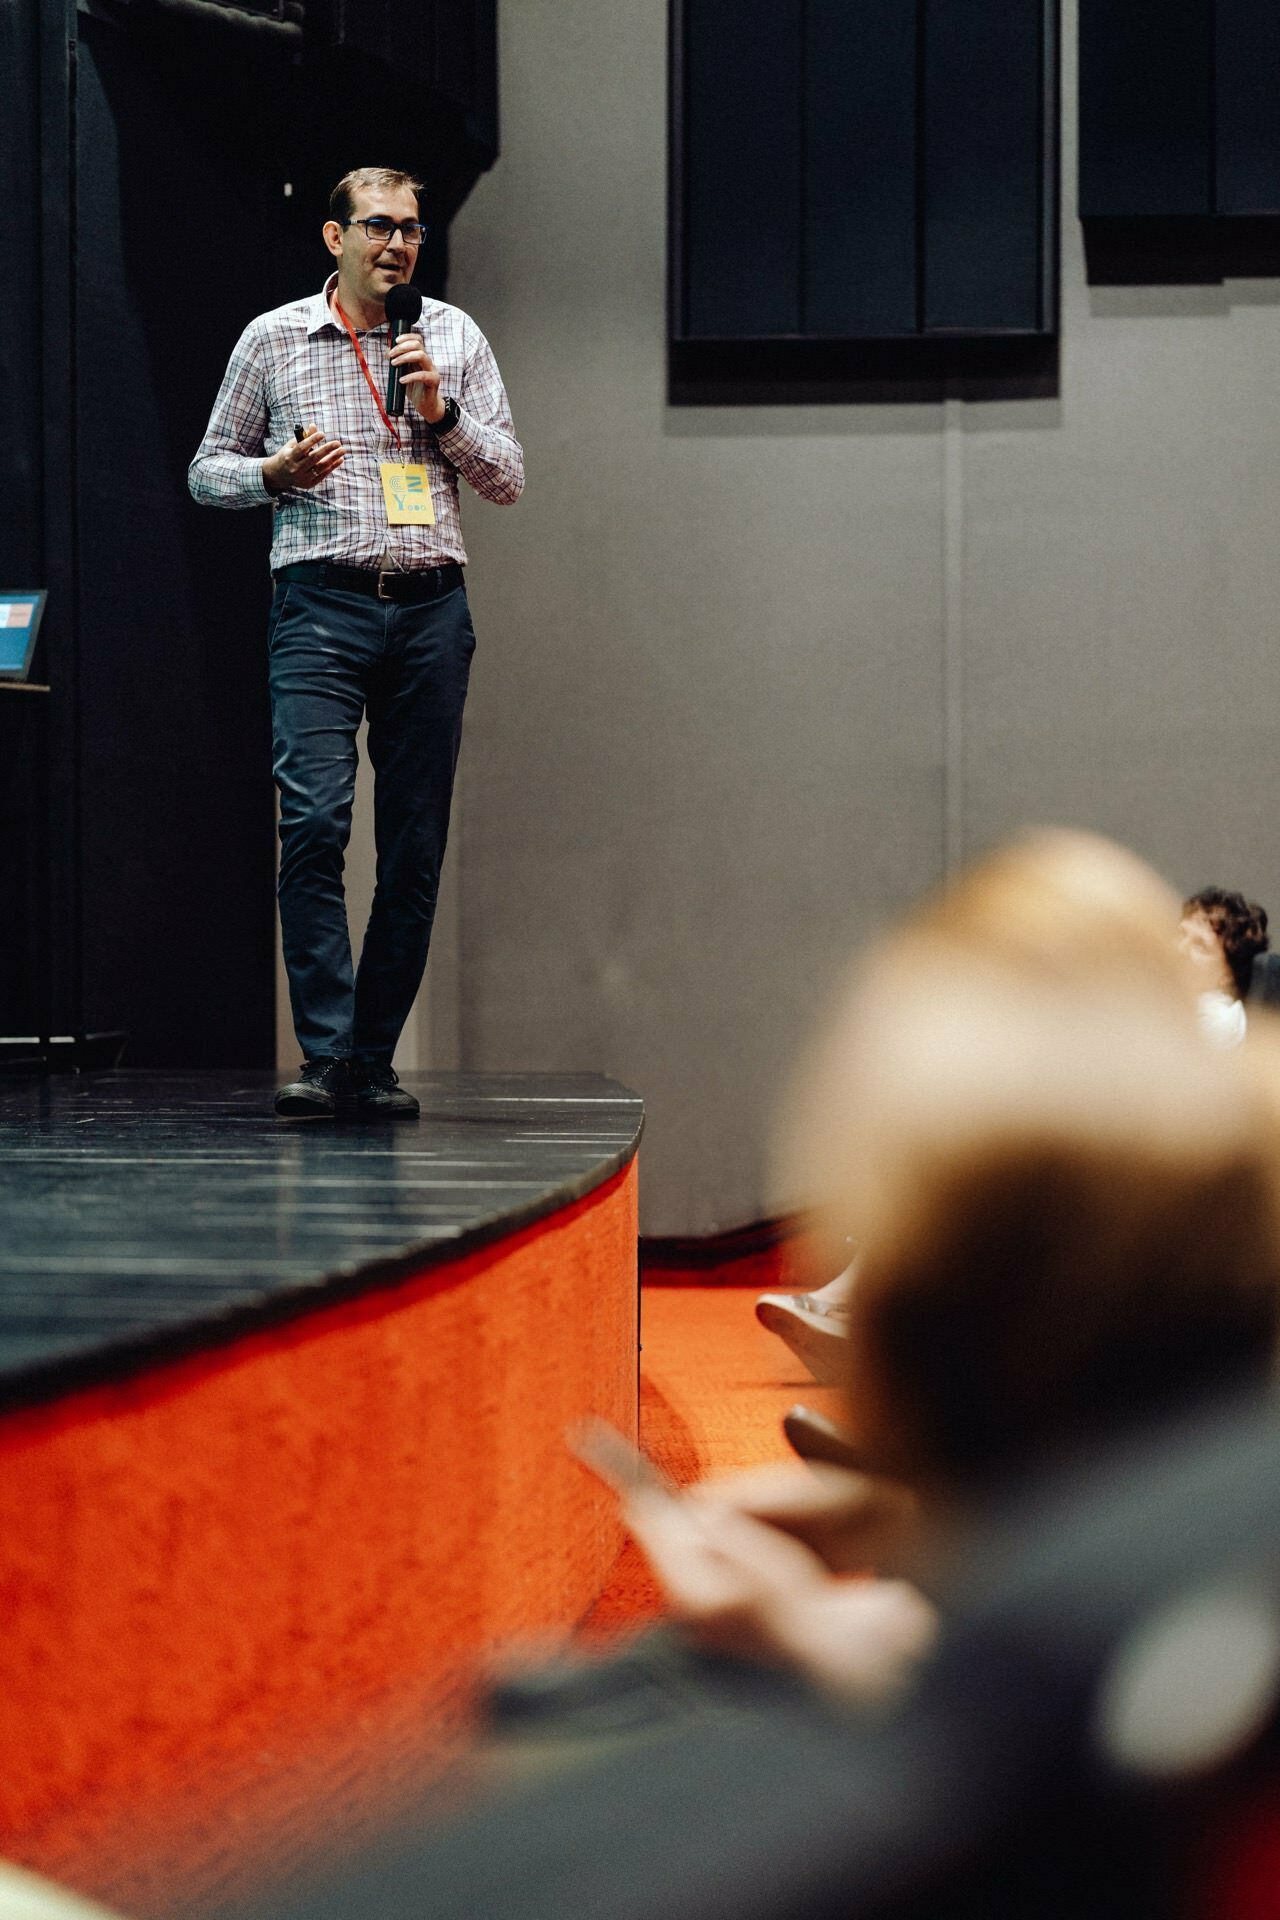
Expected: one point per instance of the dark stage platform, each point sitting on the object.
(144, 1214)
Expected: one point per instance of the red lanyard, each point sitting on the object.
(391, 425)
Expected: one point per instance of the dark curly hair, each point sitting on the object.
(1241, 926)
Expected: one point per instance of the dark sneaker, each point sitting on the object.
(379, 1095)
(315, 1094)
(814, 1437)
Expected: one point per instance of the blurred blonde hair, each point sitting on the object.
(1065, 1202)
(1062, 906)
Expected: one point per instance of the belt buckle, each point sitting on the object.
(383, 573)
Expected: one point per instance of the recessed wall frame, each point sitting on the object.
(861, 189)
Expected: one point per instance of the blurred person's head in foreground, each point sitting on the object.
(1222, 933)
(1065, 1203)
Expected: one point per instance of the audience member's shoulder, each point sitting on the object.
(1222, 1019)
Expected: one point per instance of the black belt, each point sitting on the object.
(427, 583)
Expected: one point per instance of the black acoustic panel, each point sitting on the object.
(860, 168)
(1248, 106)
(1146, 107)
(983, 153)
(742, 168)
(871, 172)
(175, 840)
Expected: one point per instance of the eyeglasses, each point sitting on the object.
(380, 229)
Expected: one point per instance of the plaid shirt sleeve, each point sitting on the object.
(227, 468)
(483, 446)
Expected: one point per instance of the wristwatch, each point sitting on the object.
(450, 417)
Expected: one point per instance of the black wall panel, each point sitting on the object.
(742, 156)
(1247, 72)
(863, 169)
(982, 166)
(860, 168)
(1146, 108)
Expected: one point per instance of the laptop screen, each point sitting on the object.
(20, 615)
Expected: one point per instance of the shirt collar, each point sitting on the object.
(320, 313)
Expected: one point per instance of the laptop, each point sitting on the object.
(20, 617)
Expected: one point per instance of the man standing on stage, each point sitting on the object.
(369, 613)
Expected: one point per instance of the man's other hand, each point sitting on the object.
(302, 464)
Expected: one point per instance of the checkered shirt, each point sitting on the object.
(298, 365)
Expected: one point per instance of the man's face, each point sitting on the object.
(367, 268)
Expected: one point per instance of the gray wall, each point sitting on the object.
(751, 679)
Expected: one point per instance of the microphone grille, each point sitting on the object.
(403, 302)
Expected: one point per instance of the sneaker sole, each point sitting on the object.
(823, 1351)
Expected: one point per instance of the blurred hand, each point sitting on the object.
(853, 1522)
(745, 1587)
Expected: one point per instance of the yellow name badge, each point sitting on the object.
(407, 492)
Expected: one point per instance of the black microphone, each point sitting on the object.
(403, 304)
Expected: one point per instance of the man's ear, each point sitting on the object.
(333, 237)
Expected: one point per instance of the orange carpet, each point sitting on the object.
(713, 1389)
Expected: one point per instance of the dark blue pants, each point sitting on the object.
(335, 657)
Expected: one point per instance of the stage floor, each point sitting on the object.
(148, 1214)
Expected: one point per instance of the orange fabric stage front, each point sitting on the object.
(239, 1585)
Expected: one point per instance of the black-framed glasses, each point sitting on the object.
(379, 228)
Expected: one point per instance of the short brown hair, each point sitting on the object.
(343, 197)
